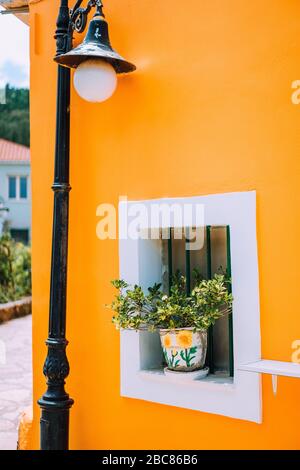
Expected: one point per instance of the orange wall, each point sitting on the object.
(208, 111)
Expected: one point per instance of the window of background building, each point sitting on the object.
(17, 187)
(23, 187)
(20, 235)
(12, 187)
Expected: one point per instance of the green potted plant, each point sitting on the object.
(181, 318)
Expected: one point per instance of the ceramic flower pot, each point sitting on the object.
(184, 349)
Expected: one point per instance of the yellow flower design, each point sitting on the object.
(167, 341)
(184, 339)
(174, 352)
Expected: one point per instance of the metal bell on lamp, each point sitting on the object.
(96, 46)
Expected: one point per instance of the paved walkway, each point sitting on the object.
(15, 378)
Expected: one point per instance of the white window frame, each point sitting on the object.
(18, 188)
(236, 398)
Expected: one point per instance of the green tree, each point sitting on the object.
(14, 116)
(15, 269)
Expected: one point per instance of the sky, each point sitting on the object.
(14, 52)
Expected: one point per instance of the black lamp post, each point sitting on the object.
(96, 58)
(3, 209)
(3, 212)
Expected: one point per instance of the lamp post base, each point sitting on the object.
(54, 424)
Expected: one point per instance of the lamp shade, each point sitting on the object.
(96, 45)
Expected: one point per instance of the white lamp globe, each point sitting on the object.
(95, 80)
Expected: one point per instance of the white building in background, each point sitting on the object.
(15, 188)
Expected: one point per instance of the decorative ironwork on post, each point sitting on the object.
(55, 403)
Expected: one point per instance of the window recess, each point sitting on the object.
(212, 257)
(229, 240)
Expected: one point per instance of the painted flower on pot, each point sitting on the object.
(172, 359)
(184, 349)
(167, 341)
(184, 338)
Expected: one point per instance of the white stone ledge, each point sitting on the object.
(286, 369)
